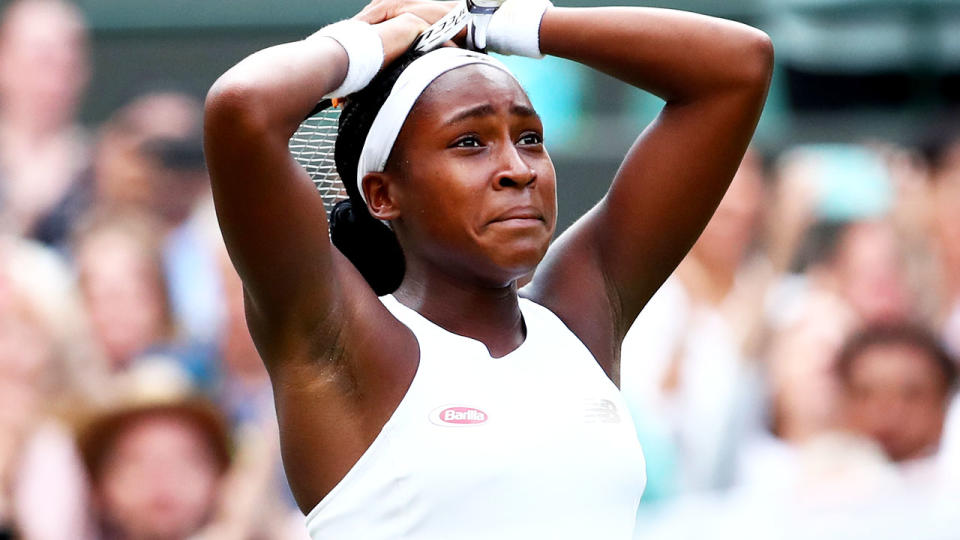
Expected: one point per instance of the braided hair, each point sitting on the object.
(369, 244)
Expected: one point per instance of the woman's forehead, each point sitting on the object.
(468, 84)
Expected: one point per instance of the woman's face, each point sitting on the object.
(470, 187)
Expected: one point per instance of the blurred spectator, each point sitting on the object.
(943, 156)
(193, 278)
(851, 246)
(815, 480)
(800, 371)
(898, 380)
(836, 183)
(43, 279)
(150, 157)
(46, 371)
(945, 180)
(43, 152)
(119, 264)
(804, 455)
(867, 269)
(156, 457)
(862, 263)
(122, 167)
(688, 359)
(161, 465)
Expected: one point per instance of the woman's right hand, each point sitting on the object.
(399, 22)
(398, 33)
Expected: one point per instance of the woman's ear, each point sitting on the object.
(377, 188)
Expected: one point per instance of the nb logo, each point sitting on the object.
(600, 411)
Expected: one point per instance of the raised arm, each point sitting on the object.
(273, 221)
(713, 75)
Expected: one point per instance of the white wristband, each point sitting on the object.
(515, 28)
(364, 53)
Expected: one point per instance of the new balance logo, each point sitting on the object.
(600, 411)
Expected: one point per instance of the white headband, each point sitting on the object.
(411, 83)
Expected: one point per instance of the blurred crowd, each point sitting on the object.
(133, 403)
(794, 377)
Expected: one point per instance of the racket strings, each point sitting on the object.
(312, 146)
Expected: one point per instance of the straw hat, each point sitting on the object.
(153, 387)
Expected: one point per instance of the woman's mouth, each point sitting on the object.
(519, 214)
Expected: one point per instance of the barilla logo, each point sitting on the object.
(457, 416)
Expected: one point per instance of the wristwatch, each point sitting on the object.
(480, 13)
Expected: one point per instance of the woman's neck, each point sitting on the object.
(490, 315)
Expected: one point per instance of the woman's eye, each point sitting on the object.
(531, 138)
(467, 142)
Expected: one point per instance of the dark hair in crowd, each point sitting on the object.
(909, 335)
(369, 244)
(942, 135)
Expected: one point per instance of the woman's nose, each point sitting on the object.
(515, 172)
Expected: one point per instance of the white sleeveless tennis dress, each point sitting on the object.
(536, 444)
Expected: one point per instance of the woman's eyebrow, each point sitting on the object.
(523, 110)
(487, 109)
(479, 111)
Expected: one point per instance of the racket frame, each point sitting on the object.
(443, 30)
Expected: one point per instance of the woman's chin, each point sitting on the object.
(520, 262)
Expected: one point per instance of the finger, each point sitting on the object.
(428, 11)
(373, 13)
(419, 22)
(399, 33)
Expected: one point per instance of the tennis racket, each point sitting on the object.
(312, 145)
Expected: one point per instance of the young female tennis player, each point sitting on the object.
(460, 406)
